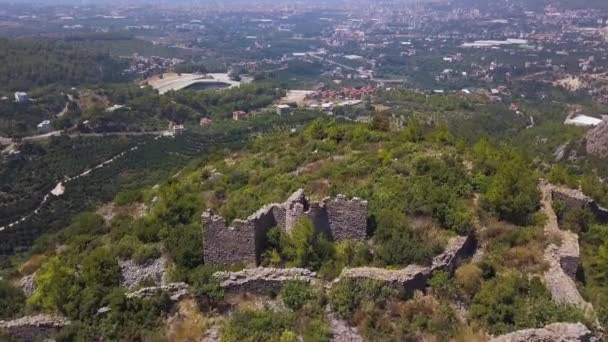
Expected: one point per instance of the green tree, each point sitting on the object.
(53, 279)
(12, 300)
(304, 247)
(512, 192)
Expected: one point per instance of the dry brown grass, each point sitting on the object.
(188, 324)
(32, 264)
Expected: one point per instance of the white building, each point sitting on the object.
(283, 109)
(583, 121)
(21, 97)
(44, 126)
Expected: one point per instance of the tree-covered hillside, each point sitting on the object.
(25, 64)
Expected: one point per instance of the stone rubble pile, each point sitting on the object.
(28, 284)
(133, 274)
(176, 291)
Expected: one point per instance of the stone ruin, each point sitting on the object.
(415, 277)
(458, 248)
(244, 240)
(563, 259)
(410, 278)
(262, 280)
(576, 199)
(562, 332)
(133, 275)
(33, 328)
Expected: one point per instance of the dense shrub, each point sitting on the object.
(513, 301)
(252, 326)
(12, 300)
(296, 293)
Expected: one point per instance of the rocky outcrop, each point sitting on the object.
(597, 139)
(176, 291)
(557, 332)
(244, 240)
(133, 275)
(33, 328)
(28, 284)
(458, 248)
(411, 278)
(262, 280)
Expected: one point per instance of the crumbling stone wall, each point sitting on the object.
(575, 199)
(33, 328)
(456, 251)
(347, 218)
(415, 277)
(262, 280)
(410, 279)
(228, 245)
(244, 240)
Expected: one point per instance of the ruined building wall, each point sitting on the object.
(347, 218)
(228, 245)
(243, 241)
(575, 199)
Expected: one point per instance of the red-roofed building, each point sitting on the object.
(205, 122)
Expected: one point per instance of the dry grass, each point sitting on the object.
(32, 264)
(188, 324)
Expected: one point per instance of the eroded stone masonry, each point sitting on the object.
(244, 240)
(576, 199)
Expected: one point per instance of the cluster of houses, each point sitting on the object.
(344, 93)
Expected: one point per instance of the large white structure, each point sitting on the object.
(21, 97)
(583, 121)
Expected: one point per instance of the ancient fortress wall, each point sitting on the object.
(244, 240)
(575, 199)
(33, 328)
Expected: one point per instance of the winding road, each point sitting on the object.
(59, 189)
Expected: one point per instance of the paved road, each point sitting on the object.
(8, 141)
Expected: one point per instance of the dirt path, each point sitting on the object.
(551, 226)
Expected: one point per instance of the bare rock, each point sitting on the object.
(597, 140)
(557, 332)
(262, 280)
(33, 328)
